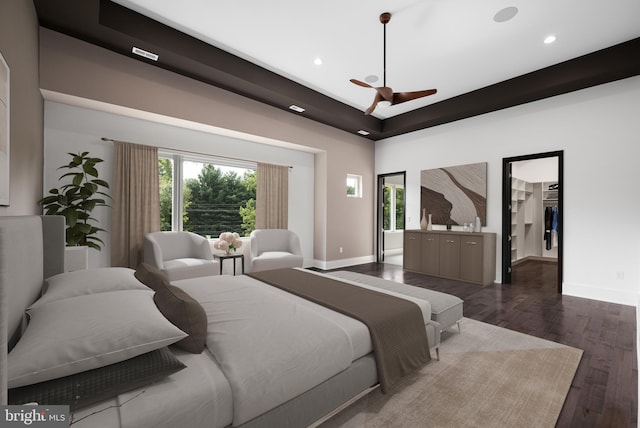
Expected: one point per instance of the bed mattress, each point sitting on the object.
(259, 356)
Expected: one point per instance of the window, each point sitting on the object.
(354, 186)
(212, 195)
(393, 208)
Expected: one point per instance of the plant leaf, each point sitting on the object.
(93, 188)
(83, 227)
(100, 182)
(77, 180)
(89, 205)
(93, 245)
(90, 170)
(49, 200)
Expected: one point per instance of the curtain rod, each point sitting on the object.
(189, 152)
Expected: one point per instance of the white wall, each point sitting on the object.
(598, 130)
(74, 129)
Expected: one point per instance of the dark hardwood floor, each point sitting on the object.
(604, 392)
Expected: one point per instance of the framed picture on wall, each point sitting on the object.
(456, 194)
(4, 132)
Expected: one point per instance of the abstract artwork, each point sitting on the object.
(455, 194)
(4, 132)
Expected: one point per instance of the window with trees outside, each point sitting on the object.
(354, 186)
(211, 195)
(393, 208)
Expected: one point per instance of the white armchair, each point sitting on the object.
(180, 255)
(274, 249)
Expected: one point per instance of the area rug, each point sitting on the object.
(487, 376)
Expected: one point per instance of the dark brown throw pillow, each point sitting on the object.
(151, 276)
(178, 307)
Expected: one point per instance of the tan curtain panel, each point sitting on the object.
(136, 201)
(272, 196)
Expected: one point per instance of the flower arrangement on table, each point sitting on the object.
(228, 242)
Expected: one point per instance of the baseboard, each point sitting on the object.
(536, 258)
(393, 252)
(629, 298)
(336, 264)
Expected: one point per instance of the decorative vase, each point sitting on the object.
(423, 221)
(429, 225)
(478, 225)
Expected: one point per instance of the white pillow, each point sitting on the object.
(81, 333)
(88, 281)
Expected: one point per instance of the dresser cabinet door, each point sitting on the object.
(471, 258)
(450, 256)
(430, 254)
(412, 255)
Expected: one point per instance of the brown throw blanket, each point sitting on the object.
(396, 325)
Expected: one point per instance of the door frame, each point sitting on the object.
(380, 211)
(506, 211)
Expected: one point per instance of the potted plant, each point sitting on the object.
(77, 199)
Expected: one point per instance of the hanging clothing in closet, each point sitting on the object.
(551, 227)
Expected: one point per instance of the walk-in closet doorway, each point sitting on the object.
(532, 226)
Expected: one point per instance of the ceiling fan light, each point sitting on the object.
(384, 104)
(550, 39)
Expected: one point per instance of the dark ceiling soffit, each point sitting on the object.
(189, 56)
(614, 63)
(116, 28)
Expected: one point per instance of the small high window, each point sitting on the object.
(354, 186)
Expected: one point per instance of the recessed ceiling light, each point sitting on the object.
(317, 61)
(371, 78)
(550, 39)
(145, 54)
(505, 14)
(296, 108)
(363, 132)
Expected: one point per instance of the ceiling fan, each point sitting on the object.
(385, 93)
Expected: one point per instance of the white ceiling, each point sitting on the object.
(455, 46)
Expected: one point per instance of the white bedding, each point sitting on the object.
(270, 348)
(266, 346)
(261, 337)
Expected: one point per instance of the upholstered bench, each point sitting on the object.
(446, 309)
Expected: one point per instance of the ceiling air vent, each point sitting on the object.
(296, 108)
(143, 53)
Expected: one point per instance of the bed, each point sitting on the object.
(266, 357)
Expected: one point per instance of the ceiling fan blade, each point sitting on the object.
(376, 100)
(401, 97)
(386, 93)
(360, 83)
